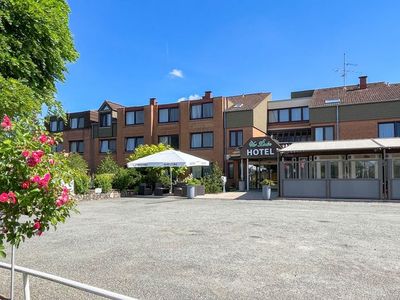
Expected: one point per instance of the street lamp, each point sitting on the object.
(335, 102)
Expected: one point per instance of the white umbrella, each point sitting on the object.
(168, 158)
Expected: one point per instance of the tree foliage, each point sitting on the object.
(35, 45)
(212, 182)
(107, 165)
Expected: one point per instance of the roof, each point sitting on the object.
(342, 145)
(375, 92)
(112, 105)
(245, 102)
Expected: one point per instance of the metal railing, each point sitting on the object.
(67, 282)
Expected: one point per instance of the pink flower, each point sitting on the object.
(36, 225)
(6, 123)
(8, 197)
(64, 198)
(51, 161)
(25, 153)
(51, 141)
(25, 185)
(41, 182)
(12, 198)
(39, 233)
(43, 138)
(35, 158)
(3, 197)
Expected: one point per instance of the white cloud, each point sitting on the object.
(191, 97)
(176, 73)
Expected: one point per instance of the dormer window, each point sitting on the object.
(76, 123)
(105, 120)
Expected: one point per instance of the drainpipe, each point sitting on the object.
(224, 135)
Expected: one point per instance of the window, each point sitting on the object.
(166, 115)
(202, 140)
(134, 117)
(57, 148)
(201, 111)
(273, 116)
(236, 138)
(294, 114)
(105, 120)
(107, 146)
(199, 172)
(290, 136)
(76, 146)
(396, 168)
(306, 113)
(324, 133)
(231, 170)
(132, 142)
(57, 125)
(389, 129)
(283, 115)
(172, 140)
(365, 169)
(77, 122)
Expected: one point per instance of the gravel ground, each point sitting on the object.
(221, 249)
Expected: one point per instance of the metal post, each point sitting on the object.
(12, 272)
(247, 174)
(170, 174)
(27, 291)
(241, 169)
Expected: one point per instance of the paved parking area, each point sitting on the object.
(222, 249)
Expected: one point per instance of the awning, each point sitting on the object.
(342, 145)
(388, 143)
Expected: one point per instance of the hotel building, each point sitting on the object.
(222, 129)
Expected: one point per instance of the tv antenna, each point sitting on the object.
(343, 71)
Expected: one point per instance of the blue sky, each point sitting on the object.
(132, 50)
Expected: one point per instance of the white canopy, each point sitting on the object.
(168, 158)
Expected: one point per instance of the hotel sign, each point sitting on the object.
(261, 147)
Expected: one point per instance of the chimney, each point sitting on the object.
(363, 82)
(153, 101)
(207, 95)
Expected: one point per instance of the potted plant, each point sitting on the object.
(266, 188)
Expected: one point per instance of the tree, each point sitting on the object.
(107, 165)
(77, 162)
(212, 181)
(35, 45)
(146, 150)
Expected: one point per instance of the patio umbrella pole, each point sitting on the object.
(170, 174)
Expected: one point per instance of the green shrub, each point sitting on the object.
(107, 166)
(77, 163)
(81, 183)
(125, 179)
(212, 182)
(104, 181)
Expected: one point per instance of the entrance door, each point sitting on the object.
(260, 170)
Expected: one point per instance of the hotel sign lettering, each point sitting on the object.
(264, 147)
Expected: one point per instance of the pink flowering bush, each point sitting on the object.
(33, 182)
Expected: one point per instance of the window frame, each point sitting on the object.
(289, 109)
(134, 116)
(201, 110)
(78, 142)
(59, 126)
(231, 170)
(169, 109)
(169, 138)
(78, 122)
(101, 121)
(202, 140)
(109, 151)
(324, 133)
(236, 133)
(396, 129)
(136, 143)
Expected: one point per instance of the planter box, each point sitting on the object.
(198, 190)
